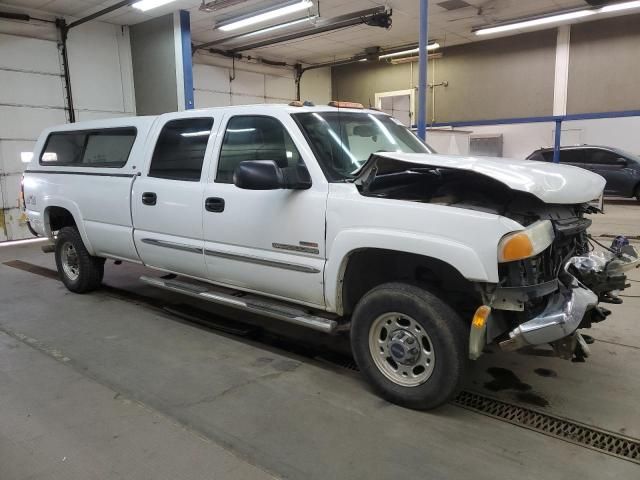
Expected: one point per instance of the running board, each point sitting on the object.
(249, 302)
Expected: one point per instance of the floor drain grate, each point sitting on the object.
(583, 435)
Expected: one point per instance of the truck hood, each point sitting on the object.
(550, 182)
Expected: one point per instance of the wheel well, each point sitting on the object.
(58, 217)
(369, 268)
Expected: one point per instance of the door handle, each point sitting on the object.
(214, 204)
(149, 198)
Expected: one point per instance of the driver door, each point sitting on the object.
(268, 241)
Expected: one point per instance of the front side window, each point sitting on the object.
(109, 148)
(180, 149)
(255, 138)
(601, 157)
(344, 141)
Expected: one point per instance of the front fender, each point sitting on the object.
(460, 256)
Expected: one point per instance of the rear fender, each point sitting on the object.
(72, 207)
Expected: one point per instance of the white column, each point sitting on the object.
(561, 82)
(177, 40)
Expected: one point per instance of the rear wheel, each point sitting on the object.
(637, 193)
(409, 344)
(80, 272)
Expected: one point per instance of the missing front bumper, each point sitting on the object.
(562, 316)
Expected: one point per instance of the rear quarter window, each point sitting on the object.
(106, 148)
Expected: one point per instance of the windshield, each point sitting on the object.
(628, 155)
(343, 141)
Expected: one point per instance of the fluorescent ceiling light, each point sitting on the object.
(26, 156)
(431, 46)
(561, 17)
(145, 5)
(265, 16)
(616, 7)
(280, 25)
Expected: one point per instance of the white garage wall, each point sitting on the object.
(621, 132)
(32, 94)
(316, 86)
(253, 83)
(520, 139)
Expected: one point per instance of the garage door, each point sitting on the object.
(31, 99)
(214, 88)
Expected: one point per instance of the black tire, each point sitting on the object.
(637, 193)
(89, 269)
(447, 339)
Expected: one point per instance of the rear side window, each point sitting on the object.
(180, 149)
(107, 148)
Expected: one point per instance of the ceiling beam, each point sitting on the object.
(321, 26)
(100, 13)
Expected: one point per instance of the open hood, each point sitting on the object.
(550, 182)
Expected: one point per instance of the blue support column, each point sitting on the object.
(556, 143)
(422, 67)
(185, 33)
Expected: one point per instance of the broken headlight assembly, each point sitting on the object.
(526, 243)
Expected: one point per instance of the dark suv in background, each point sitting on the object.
(620, 169)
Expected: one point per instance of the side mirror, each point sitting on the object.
(266, 175)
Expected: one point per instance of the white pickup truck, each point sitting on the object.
(339, 219)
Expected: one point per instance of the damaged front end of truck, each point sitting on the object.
(552, 276)
(545, 299)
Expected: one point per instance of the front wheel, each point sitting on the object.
(409, 344)
(80, 272)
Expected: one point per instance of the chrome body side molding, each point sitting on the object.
(176, 246)
(262, 261)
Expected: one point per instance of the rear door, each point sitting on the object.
(167, 197)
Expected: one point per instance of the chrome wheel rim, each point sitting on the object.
(69, 260)
(401, 349)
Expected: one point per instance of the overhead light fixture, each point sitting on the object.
(265, 15)
(26, 157)
(558, 18)
(431, 46)
(616, 7)
(279, 26)
(145, 5)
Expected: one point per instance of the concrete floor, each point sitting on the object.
(101, 386)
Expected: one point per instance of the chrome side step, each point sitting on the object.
(249, 302)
